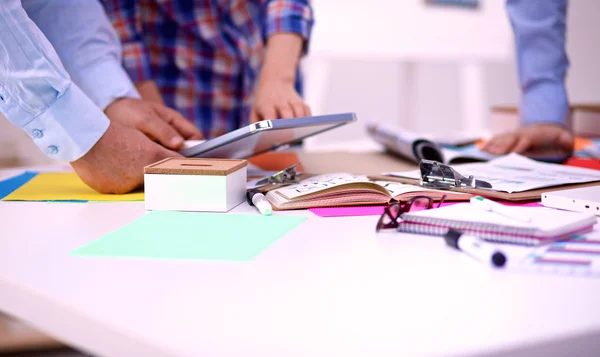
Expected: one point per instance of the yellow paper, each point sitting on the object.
(64, 186)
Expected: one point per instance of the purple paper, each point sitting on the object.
(378, 210)
(348, 211)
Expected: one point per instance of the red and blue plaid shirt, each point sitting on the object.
(204, 55)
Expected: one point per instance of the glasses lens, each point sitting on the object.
(393, 209)
(419, 204)
(388, 219)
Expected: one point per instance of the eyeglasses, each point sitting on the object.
(391, 217)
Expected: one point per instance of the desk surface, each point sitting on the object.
(330, 287)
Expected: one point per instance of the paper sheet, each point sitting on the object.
(577, 256)
(193, 235)
(63, 186)
(516, 173)
(319, 183)
(9, 185)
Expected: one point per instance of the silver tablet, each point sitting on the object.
(266, 135)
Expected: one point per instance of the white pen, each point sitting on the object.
(475, 247)
(489, 205)
(257, 199)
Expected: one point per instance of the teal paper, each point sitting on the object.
(193, 235)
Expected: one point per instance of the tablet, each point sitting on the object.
(266, 135)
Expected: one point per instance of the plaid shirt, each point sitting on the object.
(204, 55)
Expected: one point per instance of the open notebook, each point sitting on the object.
(342, 189)
(546, 224)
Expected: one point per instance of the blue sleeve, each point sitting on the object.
(37, 94)
(87, 45)
(540, 28)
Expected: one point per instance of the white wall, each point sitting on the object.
(373, 88)
(583, 46)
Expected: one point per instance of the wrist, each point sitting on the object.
(281, 58)
(277, 73)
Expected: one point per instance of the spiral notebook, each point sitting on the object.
(546, 224)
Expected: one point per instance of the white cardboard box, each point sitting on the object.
(583, 199)
(187, 184)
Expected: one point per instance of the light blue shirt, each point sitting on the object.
(87, 44)
(60, 110)
(540, 29)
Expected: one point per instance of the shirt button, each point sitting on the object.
(53, 149)
(1, 97)
(37, 133)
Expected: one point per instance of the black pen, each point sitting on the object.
(257, 199)
(475, 247)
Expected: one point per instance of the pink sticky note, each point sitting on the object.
(506, 203)
(378, 210)
(348, 211)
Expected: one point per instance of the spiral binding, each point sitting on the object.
(487, 231)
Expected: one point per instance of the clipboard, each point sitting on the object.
(535, 194)
(437, 175)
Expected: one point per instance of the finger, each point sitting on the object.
(286, 111)
(298, 108)
(159, 130)
(253, 116)
(163, 153)
(522, 145)
(268, 113)
(307, 111)
(502, 144)
(175, 119)
(491, 144)
(566, 140)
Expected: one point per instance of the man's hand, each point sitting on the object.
(277, 99)
(158, 122)
(532, 138)
(116, 163)
(275, 96)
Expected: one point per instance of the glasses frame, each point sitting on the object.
(402, 208)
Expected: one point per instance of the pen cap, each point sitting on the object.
(250, 194)
(451, 237)
(498, 259)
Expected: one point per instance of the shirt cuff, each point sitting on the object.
(545, 102)
(69, 128)
(284, 16)
(106, 82)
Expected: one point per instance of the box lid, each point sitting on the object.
(193, 166)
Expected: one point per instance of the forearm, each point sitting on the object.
(36, 92)
(540, 28)
(282, 57)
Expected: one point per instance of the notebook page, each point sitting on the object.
(319, 183)
(397, 188)
(544, 221)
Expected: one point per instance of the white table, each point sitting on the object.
(330, 287)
